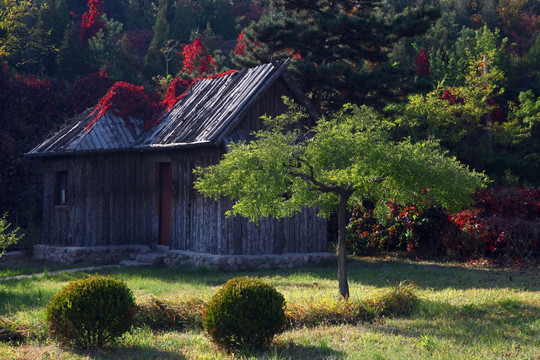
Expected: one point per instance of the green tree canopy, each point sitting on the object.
(345, 159)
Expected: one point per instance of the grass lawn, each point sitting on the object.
(464, 313)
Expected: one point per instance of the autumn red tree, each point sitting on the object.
(197, 61)
(91, 21)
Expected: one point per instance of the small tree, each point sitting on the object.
(345, 159)
(7, 237)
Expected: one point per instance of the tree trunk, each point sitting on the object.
(342, 254)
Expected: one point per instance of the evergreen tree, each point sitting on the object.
(104, 47)
(70, 57)
(183, 22)
(154, 63)
(339, 49)
(222, 20)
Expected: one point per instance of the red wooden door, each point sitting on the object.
(165, 203)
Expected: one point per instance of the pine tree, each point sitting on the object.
(70, 57)
(153, 62)
(183, 22)
(61, 21)
(339, 49)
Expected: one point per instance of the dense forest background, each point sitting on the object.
(463, 71)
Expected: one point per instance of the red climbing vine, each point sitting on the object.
(125, 100)
(91, 21)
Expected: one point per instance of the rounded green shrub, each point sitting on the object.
(91, 312)
(245, 314)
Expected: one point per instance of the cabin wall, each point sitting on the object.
(199, 223)
(271, 104)
(110, 201)
(113, 200)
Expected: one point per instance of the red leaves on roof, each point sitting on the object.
(125, 100)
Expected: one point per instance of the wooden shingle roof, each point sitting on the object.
(208, 114)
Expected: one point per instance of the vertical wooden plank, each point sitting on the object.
(48, 196)
(106, 162)
(305, 231)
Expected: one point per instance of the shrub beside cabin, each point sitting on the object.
(115, 191)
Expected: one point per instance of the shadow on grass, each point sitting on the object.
(365, 271)
(291, 350)
(132, 353)
(34, 293)
(23, 293)
(505, 321)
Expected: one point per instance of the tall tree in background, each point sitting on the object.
(61, 21)
(154, 63)
(70, 59)
(183, 22)
(22, 42)
(339, 48)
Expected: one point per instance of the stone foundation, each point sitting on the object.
(172, 258)
(243, 262)
(88, 254)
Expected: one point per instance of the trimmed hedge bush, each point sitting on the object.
(91, 312)
(245, 314)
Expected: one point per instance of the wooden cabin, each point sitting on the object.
(114, 189)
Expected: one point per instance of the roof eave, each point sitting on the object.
(141, 148)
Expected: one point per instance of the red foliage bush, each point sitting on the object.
(404, 228)
(29, 109)
(503, 226)
(247, 11)
(452, 98)
(87, 91)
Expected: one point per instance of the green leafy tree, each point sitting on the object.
(345, 159)
(339, 49)
(7, 237)
(451, 64)
(61, 21)
(22, 42)
(459, 116)
(519, 136)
